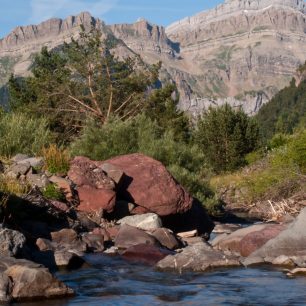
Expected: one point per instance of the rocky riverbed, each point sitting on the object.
(134, 217)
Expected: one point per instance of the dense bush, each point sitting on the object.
(285, 111)
(20, 133)
(184, 160)
(277, 175)
(226, 136)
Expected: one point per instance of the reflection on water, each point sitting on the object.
(111, 281)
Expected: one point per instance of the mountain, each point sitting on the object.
(242, 52)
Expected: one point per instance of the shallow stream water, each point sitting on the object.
(112, 281)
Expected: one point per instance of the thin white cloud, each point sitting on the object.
(44, 9)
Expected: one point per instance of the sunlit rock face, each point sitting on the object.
(241, 52)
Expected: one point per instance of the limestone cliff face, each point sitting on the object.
(245, 50)
(242, 52)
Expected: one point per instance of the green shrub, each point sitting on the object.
(184, 160)
(56, 159)
(22, 134)
(51, 192)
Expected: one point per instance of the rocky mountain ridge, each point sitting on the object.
(242, 52)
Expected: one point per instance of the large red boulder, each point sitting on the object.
(95, 189)
(149, 185)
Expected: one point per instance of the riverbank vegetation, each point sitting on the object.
(85, 101)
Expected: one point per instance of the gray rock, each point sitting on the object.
(11, 242)
(129, 236)
(166, 238)
(199, 257)
(33, 281)
(67, 259)
(35, 162)
(40, 181)
(19, 157)
(6, 287)
(145, 222)
(16, 170)
(290, 242)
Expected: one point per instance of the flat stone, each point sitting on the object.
(35, 162)
(145, 254)
(145, 222)
(199, 257)
(290, 242)
(19, 157)
(41, 181)
(129, 236)
(19, 169)
(67, 259)
(166, 238)
(35, 283)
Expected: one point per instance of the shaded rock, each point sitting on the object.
(45, 244)
(290, 242)
(68, 239)
(199, 257)
(60, 205)
(35, 282)
(145, 222)
(96, 200)
(148, 184)
(86, 222)
(95, 242)
(113, 231)
(68, 259)
(65, 236)
(194, 219)
(129, 236)
(6, 288)
(122, 209)
(166, 238)
(146, 254)
(253, 241)
(105, 233)
(11, 242)
(193, 240)
(36, 229)
(95, 188)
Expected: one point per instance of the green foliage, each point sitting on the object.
(226, 136)
(162, 108)
(184, 160)
(285, 111)
(277, 175)
(51, 192)
(20, 133)
(83, 80)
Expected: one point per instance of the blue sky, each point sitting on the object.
(163, 12)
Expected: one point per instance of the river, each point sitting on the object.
(112, 281)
